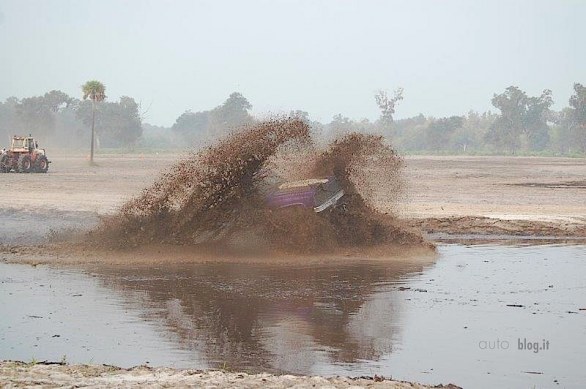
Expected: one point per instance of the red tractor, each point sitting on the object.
(24, 156)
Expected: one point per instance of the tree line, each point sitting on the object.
(61, 121)
(519, 124)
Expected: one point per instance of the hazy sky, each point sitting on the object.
(324, 57)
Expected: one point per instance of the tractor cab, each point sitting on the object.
(21, 144)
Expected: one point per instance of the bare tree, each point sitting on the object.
(387, 104)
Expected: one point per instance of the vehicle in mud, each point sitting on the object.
(24, 156)
(316, 193)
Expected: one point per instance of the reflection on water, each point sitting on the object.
(277, 318)
(429, 323)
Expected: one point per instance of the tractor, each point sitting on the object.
(24, 156)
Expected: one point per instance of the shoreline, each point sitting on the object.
(470, 230)
(57, 374)
(71, 254)
(470, 225)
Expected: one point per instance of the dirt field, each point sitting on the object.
(526, 188)
(454, 195)
(530, 196)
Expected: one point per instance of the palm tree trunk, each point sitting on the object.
(93, 131)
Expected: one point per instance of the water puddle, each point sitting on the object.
(494, 316)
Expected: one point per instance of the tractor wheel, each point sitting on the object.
(4, 163)
(25, 164)
(41, 164)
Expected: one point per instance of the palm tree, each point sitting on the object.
(95, 91)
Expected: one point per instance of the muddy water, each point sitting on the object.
(33, 225)
(469, 319)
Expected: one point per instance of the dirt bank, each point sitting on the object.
(81, 254)
(491, 226)
(20, 375)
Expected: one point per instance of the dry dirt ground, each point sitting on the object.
(455, 195)
(531, 196)
(22, 375)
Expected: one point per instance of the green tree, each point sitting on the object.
(37, 115)
(8, 119)
(522, 118)
(192, 126)
(126, 128)
(235, 108)
(470, 136)
(561, 133)
(57, 101)
(577, 116)
(96, 92)
(119, 123)
(440, 131)
(232, 113)
(536, 128)
(299, 114)
(199, 126)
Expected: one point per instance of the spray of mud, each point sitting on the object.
(218, 195)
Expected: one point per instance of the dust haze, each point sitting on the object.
(292, 187)
(169, 70)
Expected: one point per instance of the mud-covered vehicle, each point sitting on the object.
(24, 156)
(318, 194)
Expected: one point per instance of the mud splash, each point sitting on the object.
(350, 160)
(217, 195)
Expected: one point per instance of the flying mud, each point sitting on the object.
(218, 195)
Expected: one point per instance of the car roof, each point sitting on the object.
(302, 183)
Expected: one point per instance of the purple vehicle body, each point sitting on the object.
(318, 194)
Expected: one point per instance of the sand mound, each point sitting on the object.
(218, 195)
